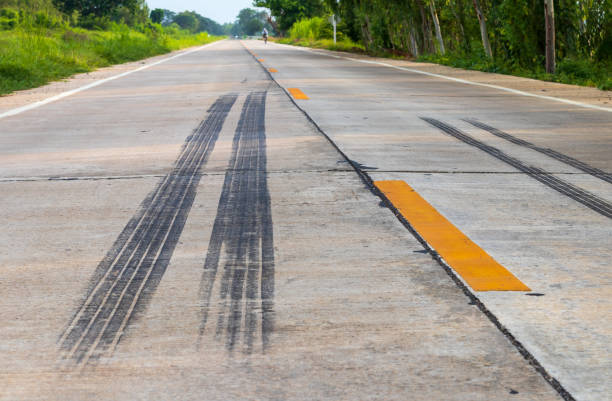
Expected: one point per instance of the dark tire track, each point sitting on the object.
(127, 277)
(570, 161)
(579, 195)
(243, 229)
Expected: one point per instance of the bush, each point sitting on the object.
(9, 19)
(316, 28)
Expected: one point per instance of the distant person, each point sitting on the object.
(264, 33)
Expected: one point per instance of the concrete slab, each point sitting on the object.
(554, 244)
(354, 309)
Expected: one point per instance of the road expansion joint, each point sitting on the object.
(88, 178)
(385, 202)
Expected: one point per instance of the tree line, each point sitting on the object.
(520, 33)
(97, 14)
(248, 22)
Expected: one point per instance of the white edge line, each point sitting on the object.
(463, 81)
(62, 95)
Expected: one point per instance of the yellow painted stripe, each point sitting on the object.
(297, 94)
(472, 263)
(273, 70)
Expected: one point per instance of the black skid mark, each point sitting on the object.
(127, 277)
(588, 199)
(243, 229)
(570, 161)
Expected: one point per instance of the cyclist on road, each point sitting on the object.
(264, 33)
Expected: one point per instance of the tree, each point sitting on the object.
(251, 22)
(94, 7)
(436, 21)
(288, 12)
(187, 20)
(157, 15)
(549, 16)
(483, 29)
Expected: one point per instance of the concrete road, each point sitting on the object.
(191, 231)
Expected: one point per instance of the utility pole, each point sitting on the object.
(334, 23)
(549, 15)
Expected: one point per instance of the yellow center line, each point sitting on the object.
(471, 262)
(273, 70)
(297, 94)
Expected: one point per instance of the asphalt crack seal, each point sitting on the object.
(369, 184)
(128, 276)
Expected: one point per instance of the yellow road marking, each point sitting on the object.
(297, 94)
(273, 70)
(470, 261)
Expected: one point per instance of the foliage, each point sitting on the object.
(287, 12)
(94, 7)
(516, 31)
(312, 29)
(345, 45)
(187, 20)
(157, 16)
(162, 16)
(251, 22)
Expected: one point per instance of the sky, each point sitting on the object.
(221, 11)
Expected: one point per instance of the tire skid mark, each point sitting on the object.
(126, 278)
(570, 161)
(588, 199)
(243, 230)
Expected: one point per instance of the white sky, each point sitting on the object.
(221, 11)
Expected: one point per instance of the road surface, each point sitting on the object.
(251, 222)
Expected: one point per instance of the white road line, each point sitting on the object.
(51, 99)
(463, 81)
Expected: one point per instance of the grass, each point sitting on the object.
(34, 55)
(345, 45)
(569, 71)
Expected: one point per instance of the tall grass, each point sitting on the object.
(39, 48)
(318, 32)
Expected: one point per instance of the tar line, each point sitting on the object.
(127, 277)
(588, 199)
(242, 241)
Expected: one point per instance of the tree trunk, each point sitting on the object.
(427, 39)
(414, 47)
(483, 29)
(367, 33)
(549, 15)
(460, 15)
(434, 17)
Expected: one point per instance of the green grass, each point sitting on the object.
(345, 45)
(569, 71)
(33, 55)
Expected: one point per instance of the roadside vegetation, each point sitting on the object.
(568, 41)
(44, 40)
(318, 32)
